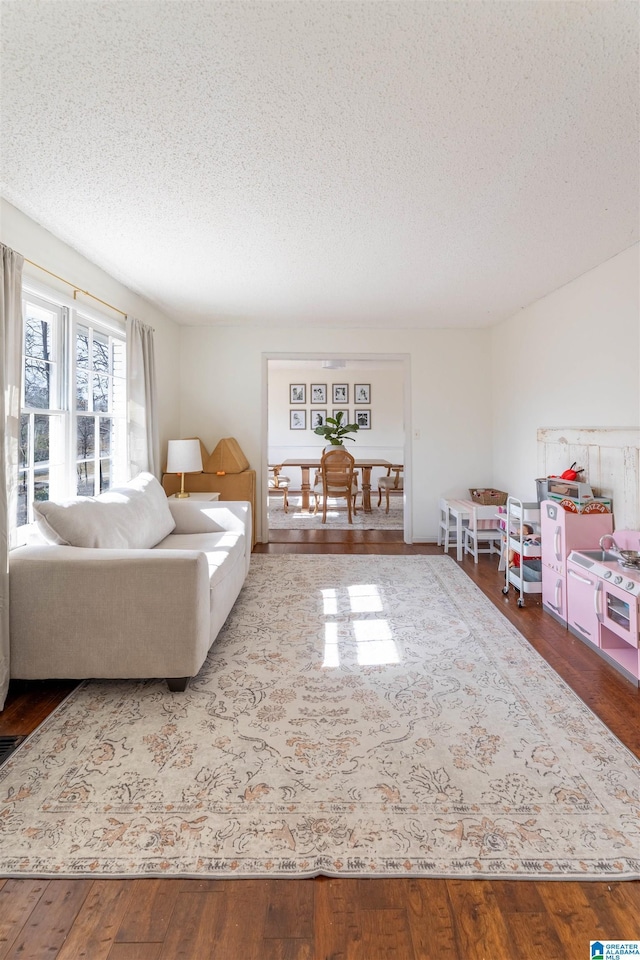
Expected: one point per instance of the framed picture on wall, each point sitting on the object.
(297, 419)
(345, 414)
(362, 393)
(318, 418)
(297, 393)
(363, 419)
(340, 393)
(318, 393)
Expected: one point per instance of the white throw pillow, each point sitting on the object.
(135, 516)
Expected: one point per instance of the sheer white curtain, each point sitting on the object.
(142, 418)
(10, 370)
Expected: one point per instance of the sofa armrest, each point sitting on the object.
(234, 487)
(80, 612)
(201, 517)
(196, 516)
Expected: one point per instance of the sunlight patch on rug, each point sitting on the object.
(357, 716)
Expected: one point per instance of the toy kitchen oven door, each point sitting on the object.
(617, 607)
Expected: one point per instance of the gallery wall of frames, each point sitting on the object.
(312, 403)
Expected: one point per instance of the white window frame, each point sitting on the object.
(80, 318)
(55, 411)
(63, 433)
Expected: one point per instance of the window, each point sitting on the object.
(73, 415)
(41, 445)
(100, 401)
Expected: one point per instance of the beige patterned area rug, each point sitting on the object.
(358, 716)
(298, 519)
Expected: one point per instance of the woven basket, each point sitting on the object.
(487, 496)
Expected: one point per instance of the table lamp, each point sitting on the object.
(184, 456)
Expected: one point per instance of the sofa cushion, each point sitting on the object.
(135, 515)
(223, 550)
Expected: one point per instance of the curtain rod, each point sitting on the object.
(76, 289)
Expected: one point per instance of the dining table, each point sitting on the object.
(364, 464)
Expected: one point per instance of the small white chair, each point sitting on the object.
(279, 486)
(391, 484)
(479, 532)
(447, 529)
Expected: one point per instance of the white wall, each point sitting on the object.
(477, 396)
(385, 439)
(221, 378)
(34, 242)
(570, 359)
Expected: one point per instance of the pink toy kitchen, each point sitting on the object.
(591, 575)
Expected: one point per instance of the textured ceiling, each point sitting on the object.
(366, 164)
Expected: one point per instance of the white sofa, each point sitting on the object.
(129, 585)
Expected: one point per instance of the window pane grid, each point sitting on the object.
(69, 364)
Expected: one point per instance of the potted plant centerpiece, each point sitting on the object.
(335, 430)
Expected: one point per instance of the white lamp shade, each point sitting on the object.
(184, 456)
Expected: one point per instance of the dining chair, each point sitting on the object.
(279, 486)
(479, 532)
(391, 484)
(336, 480)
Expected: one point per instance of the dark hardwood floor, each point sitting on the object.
(327, 919)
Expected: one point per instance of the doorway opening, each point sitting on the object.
(299, 392)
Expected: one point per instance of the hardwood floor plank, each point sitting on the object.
(30, 702)
(286, 950)
(430, 918)
(573, 918)
(195, 928)
(18, 899)
(51, 920)
(381, 893)
(135, 951)
(149, 912)
(385, 936)
(533, 937)
(202, 886)
(520, 897)
(481, 932)
(97, 923)
(244, 920)
(289, 913)
(617, 906)
(338, 929)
